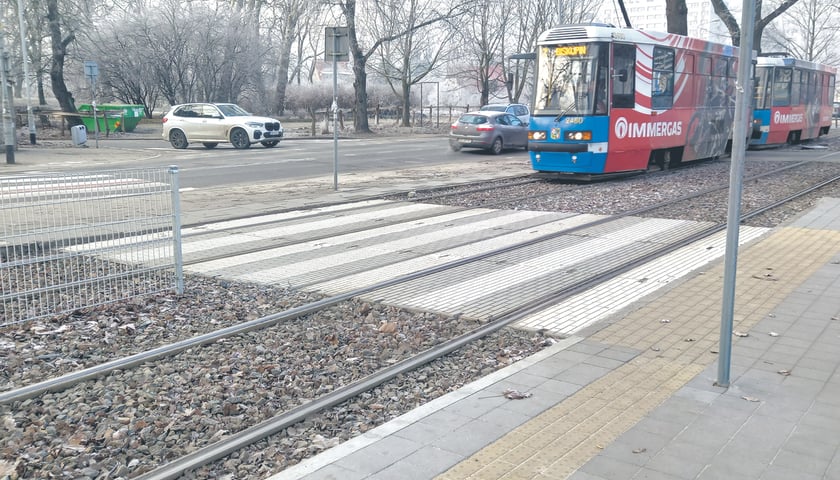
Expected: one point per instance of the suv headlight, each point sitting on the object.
(254, 124)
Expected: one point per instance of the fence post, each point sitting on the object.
(176, 230)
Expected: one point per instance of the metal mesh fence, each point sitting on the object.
(76, 240)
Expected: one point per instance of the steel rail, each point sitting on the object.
(496, 203)
(275, 425)
(66, 381)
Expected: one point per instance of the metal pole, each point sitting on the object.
(739, 144)
(8, 104)
(421, 104)
(437, 124)
(95, 116)
(335, 108)
(176, 229)
(30, 117)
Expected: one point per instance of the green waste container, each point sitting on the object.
(117, 117)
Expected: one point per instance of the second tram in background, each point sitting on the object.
(612, 100)
(793, 100)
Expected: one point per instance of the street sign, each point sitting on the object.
(91, 70)
(337, 43)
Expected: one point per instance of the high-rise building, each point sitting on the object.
(703, 22)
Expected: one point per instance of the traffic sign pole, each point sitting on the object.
(92, 71)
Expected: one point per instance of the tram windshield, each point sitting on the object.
(572, 79)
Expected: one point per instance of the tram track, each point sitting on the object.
(101, 373)
(437, 196)
(259, 432)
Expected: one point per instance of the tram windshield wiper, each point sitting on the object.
(565, 111)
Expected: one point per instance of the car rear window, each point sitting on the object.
(473, 119)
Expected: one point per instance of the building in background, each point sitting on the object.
(703, 22)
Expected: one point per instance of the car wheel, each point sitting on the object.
(270, 143)
(456, 147)
(239, 139)
(497, 146)
(178, 139)
(210, 144)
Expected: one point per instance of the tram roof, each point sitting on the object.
(775, 61)
(597, 32)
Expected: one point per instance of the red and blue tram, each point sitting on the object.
(613, 100)
(792, 101)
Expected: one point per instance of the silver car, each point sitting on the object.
(214, 123)
(492, 131)
(520, 110)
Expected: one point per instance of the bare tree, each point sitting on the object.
(481, 38)
(61, 36)
(292, 22)
(361, 56)
(410, 59)
(493, 30)
(809, 31)
(315, 100)
(728, 19)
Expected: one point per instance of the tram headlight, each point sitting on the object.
(537, 135)
(578, 136)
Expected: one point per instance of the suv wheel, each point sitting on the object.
(239, 138)
(178, 139)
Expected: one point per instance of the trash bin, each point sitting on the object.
(119, 117)
(79, 134)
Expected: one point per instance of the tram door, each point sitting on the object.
(624, 76)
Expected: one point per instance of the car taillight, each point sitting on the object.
(484, 128)
(165, 119)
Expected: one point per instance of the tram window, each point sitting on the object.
(812, 88)
(781, 87)
(662, 88)
(704, 66)
(803, 92)
(720, 67)
(761, 88)
(624, 76)
(796, 87)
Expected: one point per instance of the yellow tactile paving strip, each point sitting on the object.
(556, 443)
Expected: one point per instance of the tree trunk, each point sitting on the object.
(283, 62)
(406, 98)
(283, 75)
(760, 23)
(676, 13)
(59, 52)
(360, 118)
(728, 19)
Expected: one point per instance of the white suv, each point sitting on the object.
(214, 123)
(521, 111)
